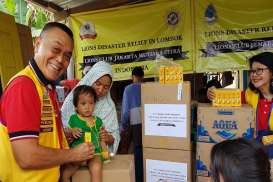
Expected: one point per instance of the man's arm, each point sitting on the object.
(125, 110)
(30, 155)
(21, 111)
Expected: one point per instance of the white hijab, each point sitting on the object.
(104, 107)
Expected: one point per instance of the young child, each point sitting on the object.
(84, 127)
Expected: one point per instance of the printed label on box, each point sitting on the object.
(160, 171)
(224, 130)
(166, 120)
(202, 169)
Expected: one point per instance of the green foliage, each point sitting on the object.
(2, 6)
(10, 7)
(36, 17)
(40, 19)
(29, 16)
(21, 11)
(16, 8)
(24, 13)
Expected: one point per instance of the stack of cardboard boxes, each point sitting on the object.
(121, 169)
(166, 132)
(216, 124)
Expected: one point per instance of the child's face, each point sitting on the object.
(85, 105)
(260, 76)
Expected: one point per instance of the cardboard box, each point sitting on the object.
(203, 179)
(166, 115)
(203, 161)
(216, 124)
(167, 165)
(120, 169)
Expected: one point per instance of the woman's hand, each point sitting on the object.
(106, 137)
(211, 93)
(68, 135)
(76, 132)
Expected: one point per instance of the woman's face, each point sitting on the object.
(102, 85)
(260, 75)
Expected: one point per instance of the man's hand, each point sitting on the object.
(83, 152)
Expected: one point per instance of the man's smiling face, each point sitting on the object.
(53, 51)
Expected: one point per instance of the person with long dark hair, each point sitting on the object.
(239, 160)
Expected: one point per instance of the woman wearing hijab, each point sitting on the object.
(100, 78)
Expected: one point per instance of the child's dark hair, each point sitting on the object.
(265, 58)
(83, 89)
(240, 160)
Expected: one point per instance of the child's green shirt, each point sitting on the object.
(76, 122)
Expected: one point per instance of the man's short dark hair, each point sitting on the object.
(61, 26)
(83, 89)
(138, 71)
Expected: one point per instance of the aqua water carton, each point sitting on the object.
(215, 124)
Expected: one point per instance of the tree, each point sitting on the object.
(26, 13)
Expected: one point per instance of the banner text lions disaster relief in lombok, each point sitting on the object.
(134, 36)
(229, 32)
